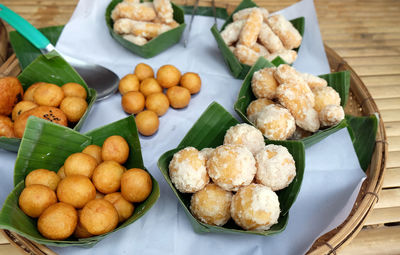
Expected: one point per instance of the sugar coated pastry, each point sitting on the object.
(232, 31)
(212, 205)
(255, 107)
(325, 96)
(270, 40)
(138, 40)
(187, 170)
(134, 11)
(275, 167)
(289, 36)
(261, 50)
(207, 152)
(246, 55)
(245, 135)
(231, 166)
(140, 28)
(132, 1)
(314, 81)
(289, 56)
(251, 29)
(264, 84)
(255, 207)
(275, 122)
(244, 13)
(164, 10)
(331, 115)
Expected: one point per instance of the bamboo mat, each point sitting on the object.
(367, 35)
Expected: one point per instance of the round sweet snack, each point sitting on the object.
(191, 81)
(48, 95)
(136, 185)
(94, 151)
(207, 152)
(61, 172)
(331, 115)
(158, 103)
(133, 102)
(58, 221)
(80, 163)
(255, 207)
(147, 122)
(231, 166)
(115, 148)
(22, 107)
(74, 108)
(99, 195)
(275, 122)
(275, 167)
(80, 230)
(11, 92)
(187, 170)
(44, 177)
(124, 208)
(99, 216)
(256, 107)
(143, 71)
(325, 96)
(28, 94)
(179, 97)
(129, 82)
(49, 113)
(212, 205)
(107, 177)
(245, 135)
(168, 76)
(6, 127)
(36, 198)
(264, 84)
(73, 89)
(76, 190)
(150, 86)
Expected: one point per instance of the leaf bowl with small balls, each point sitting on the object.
(101, 184)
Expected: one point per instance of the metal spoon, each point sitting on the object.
(103, 80)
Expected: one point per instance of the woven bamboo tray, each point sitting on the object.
(360, 103)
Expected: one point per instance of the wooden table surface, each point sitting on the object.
(366, 34)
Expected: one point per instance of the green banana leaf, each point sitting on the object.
(239, 70)
(209, 131)
(156, 45)
(47, 145)
(206, 11)
(340, 81)
(54, 69)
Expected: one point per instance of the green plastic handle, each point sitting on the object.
(24, 27)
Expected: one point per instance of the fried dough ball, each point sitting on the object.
(143, 71)
(178, 97)
(207, 152)
(22, 107)
(61, 172)
(245, 135)
(256, 107)
(35, 198)
(187, 170)
(136, 185)
(124, 208)
(255, 207)
(58, 221)
(48, 95)
(115, 148)
(6, 127)
(168, 76)
(80, 163)
(99, 195)
(94, 151)
(331, 115)
(149, 86)
(231, 166)
(42, 176)
(147, 122)
(28, 94)
(80, 230)
(74, 108)
(73, 89)
(107, 177)
(191, 81)
(158, 103)
(99, 216)
(314, 81)
(275, 167)
(129, 82)
(49, 113)
(76, 190)
(212, 205)
(264, 84)
(11, 92)
(325, 96)
(133, 102)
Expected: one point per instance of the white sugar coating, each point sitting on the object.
(310, 121)
(244, 13)
(232, 31)
(255, 207)
(138, 40)
(314, 81)
(275, 167)
(231, 166)
(212, 205)
(256, 107)
(289, 35)
(325, 96)
(187, 170)
(260, 49)
(263, 83)
(270, 40)
(275, 122)
(207, 152)
(123, 26)
(246, 55)
(331, 115)
(245, 135)
(289, 56)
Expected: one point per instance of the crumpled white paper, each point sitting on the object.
(332, 177)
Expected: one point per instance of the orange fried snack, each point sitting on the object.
(289, 36)
(261, 50)
(164, 10)
(134, 11)
(251, 29)
(270, 40)
(245, 55)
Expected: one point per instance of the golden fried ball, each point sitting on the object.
(58, 221)
(76, 190)
(115, 148)
(73, 89)
(94, 151)
(11, 92)
(264, 84)
(99, 216)
(133, 102)
(143, 71)
(6, 127)
(192, 82)
(107, 177)
(35, 198)
(149, 86)
(80, 230)
(256, 107)
(124, 208)
(168, 76)
(61, 172)
(158, 103)
(42, 176)
(147, 122)
(136, 185)
(325, 96)
(48, 95)
(80, 163)
(74, 108)
(99, 195)
(21, 107)
(28, 94)
(178, 97)
(129, 82)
